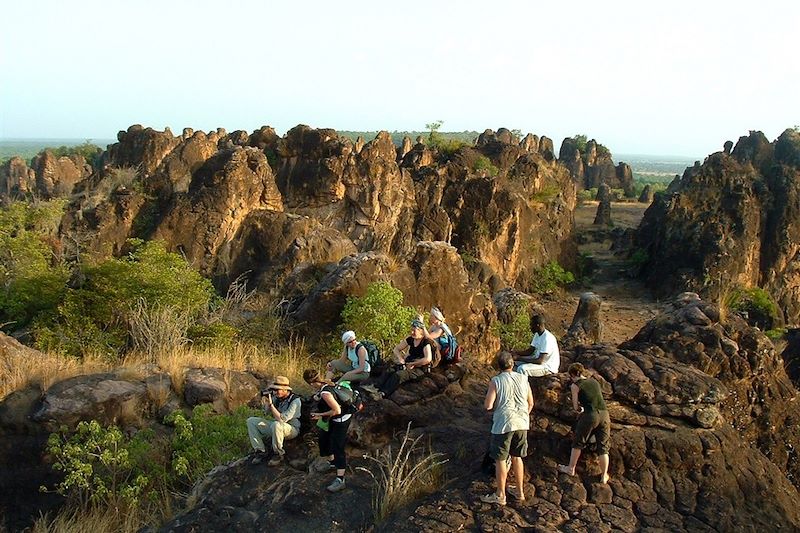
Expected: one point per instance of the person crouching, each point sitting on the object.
(282, 407)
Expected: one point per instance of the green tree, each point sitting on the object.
(434, 137)
(379, 315)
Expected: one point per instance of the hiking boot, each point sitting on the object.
(337, 485)
(276, 460)
(493, 498)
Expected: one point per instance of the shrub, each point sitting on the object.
(379, 315)
(484, 165)
(517, 332)
(757, 303)
(550, 278)
(90, 152)
(403, 475)
(97, 316)
(206, 440)
(32, 279)
(547, 193)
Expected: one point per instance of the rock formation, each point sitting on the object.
(591, 166)
(732, 221)
(647, 195)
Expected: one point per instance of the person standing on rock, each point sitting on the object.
(510, 397)
(542, 357)
(587, 399)
(353, 361)
(282, 406)
(333, 424)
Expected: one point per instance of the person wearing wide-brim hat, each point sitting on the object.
(282, 409)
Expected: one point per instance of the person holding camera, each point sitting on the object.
(282, 407)
(333, 423)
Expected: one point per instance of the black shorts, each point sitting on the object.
(513, 443)
(595, 423)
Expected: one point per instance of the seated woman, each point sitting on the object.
(353, 361)
(441, 333)
(413, 356)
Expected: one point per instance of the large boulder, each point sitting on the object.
(16, 179)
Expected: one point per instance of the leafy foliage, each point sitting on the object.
(757, 303)
(550, 278)
(517, 332)
(484, 165)
(32, 277)
(206, 440)
(379, 315)
(90, 152)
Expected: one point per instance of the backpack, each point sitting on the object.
(349, 398)
(450, 350)
(436, 353)
(373, 353)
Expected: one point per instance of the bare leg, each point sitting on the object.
(501, 473)
(519, 473)
(604, 466)
(573, 462)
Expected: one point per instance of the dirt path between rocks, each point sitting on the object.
(627, 303)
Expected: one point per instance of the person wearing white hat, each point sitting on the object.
(352, 363)
(282, 407)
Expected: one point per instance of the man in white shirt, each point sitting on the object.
(541, 358)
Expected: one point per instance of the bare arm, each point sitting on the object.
(335, 408)
(491, 396)
(360, 369)
(427, 357)
(398, 350)
(575, 404)
(526, 355)
(530, 400)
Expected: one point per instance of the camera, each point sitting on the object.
(267, 392)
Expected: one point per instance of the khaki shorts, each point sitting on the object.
(513, 443)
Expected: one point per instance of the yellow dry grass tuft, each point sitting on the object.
(404, 474)
(20, 369)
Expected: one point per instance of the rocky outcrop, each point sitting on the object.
(591, 165)
(16, 179)
(587, 324)
(732, 221)
(603, 216)
(647, 195)
(48, 177)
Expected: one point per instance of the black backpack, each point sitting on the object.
(373, 353)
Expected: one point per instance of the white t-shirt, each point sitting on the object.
(546, 343)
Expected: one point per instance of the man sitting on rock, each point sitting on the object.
(541, 358)
(282, 407)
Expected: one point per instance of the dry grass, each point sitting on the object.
(404, 474)
(90, 521)
(156, 328)
(20, 369)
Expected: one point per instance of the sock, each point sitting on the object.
(340, 478)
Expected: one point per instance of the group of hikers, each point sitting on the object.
(509, 397)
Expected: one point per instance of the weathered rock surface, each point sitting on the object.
(734, 220)
(592, 167)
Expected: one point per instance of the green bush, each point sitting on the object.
(206, 440)
(103, 467)
(515, 334)
(550, 278)
(90, 152)
(547, 193)
(213, 334)
(379, 315)
(757, 303)
(96, 465)
(31, 277)
(484, 164)
(94, 317)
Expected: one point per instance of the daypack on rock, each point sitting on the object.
(373, 353)
(349, 398)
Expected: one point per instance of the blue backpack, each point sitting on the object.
(448, 347)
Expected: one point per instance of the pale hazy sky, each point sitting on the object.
(676, 77)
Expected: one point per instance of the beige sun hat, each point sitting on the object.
(280, 382)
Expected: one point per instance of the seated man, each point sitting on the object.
(353, 361)
(408, 367)
(541, 358)
(283, 408)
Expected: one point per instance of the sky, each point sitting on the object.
(670, 78)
